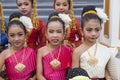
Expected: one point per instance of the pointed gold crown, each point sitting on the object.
(2, 18)
(72, 25)
(35, 19)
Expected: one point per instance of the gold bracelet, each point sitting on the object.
(30, 79)
(108, 78)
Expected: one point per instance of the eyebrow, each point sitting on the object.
(18, 32)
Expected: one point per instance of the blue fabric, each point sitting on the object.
(4, 39)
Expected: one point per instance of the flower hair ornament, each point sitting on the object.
(101, 14)
(26, 22)
(80, 78)
(66, 19)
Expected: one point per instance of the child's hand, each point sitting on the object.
(2, 78)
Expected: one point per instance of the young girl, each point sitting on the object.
(73, 34)
(54, 59)
(3, 37)
(36, 37)
(91, 55)
(20, 61)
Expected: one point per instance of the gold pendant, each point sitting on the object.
(92, 61)
(55, 63)
(20, 67)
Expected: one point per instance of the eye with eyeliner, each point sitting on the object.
(64, 4)
(20, 34)
(59, 31)
(19, 4)
(26, 4)
(58, 4)
(11, 35)
(89, 29)
(97, 30)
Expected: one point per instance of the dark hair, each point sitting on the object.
(76, 72)
(53, 14)
(87, 17)
(15, 15)
(52, 18)
(29, 0)
(67, 0)
(17, 22)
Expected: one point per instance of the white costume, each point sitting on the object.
(114, 64)
(102, 55)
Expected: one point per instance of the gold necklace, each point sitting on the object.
(55, 63)
(92, 60)
(19, 65)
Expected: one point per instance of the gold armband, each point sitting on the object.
(30, 79)
(108, 78)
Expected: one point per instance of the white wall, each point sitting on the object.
(114, 29)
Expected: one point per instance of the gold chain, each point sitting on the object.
(58, 53)
(35, 19)
(2, 18)
(94, 51)
(22, 57)
(72, 25)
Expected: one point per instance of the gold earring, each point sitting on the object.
(8, 45)
(82, 39)
(47, 42)
(25, 44)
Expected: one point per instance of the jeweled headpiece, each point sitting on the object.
(35, 19)
(2, 19)
(72, 25)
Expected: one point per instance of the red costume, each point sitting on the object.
(75, 33)
(36, 38)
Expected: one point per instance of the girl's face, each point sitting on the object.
(55, 33)
(91, 30)
(24, 7)
(16, 36)
(61, 6)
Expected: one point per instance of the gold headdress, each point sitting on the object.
(35, 19)
(54, 17)
(14, 19)
(89, 12)
(2, 18)
(72, 25)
